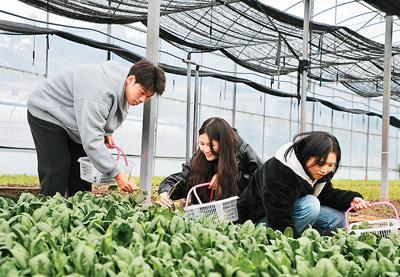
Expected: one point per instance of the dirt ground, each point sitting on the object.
(376, 212)
(16, 191)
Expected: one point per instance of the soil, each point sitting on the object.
(15, 191)
(376, 212)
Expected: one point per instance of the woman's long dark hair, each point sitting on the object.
(225, 166)
(316, 144)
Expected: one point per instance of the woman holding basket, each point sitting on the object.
(223, 159)
(294, 189)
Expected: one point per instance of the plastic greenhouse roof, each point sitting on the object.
(254, 35)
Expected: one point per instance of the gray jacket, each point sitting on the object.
(89, 102)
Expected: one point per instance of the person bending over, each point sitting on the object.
(74, 114)
(294, 189)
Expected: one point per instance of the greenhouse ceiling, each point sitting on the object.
(257, 36)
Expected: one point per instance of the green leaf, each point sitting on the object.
(386, 248)
(206, 265)
(257, 256)
(84, 258)
(325, 268)
(302, 267)
(386, 265)
(176, 249)
(139, 267)
(288, 232)
(4, 226)
(312, 234)
(186, 272)
(124, 254)
(8, 269)
(41, 214)
(20, 255)
(27, 222)
(177, 225)
(40, 264)
(122, 233)
(248, 227)
(60, 261)
(361, 248)
(43, 227)
(38, 245)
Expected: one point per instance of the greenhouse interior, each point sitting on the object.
(271, 70)
(352, 82)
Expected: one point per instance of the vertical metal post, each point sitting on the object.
(290, 118)
(351, 137)
(367, 150)
(264, 129)
(306, 31)
(109, 34)
(188, 99)
(149, 109)
(291, 109)
(313, 112)
(332, 112)
(397, 147)
(46, 73)
(386, 106)
(234, 97)
(195, 109)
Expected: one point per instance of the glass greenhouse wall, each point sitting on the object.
(263, 120)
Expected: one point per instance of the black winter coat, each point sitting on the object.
(275, 187)
(247, 160)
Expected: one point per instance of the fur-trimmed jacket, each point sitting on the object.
(278, 183)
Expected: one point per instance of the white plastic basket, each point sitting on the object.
(89, 173)
(225, 209)
(379, 227)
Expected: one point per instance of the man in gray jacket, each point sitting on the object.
(74, 114)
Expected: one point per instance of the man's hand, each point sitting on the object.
(124, 183)
(359, 204)
(109, 141)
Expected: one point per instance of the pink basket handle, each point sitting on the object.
(193, 189)
(119, 150)
(373, 204)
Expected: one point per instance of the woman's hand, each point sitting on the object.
(213, 183)
(124, 183)
(164, 199)
(359, 204)
(109, 141)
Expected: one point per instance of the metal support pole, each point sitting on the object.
(264, 121)
(386, 106)
(234, 97)
(46, 73)
(351, 137)
(306, 33)
(332, 112)
(290, 119)
(188, 99)
(195, 108)
(149, 109)
(313, 111)
(109, 34)
(291, 109)
(367, 150)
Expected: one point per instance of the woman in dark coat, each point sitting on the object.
(223, 159)
(294, 189)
